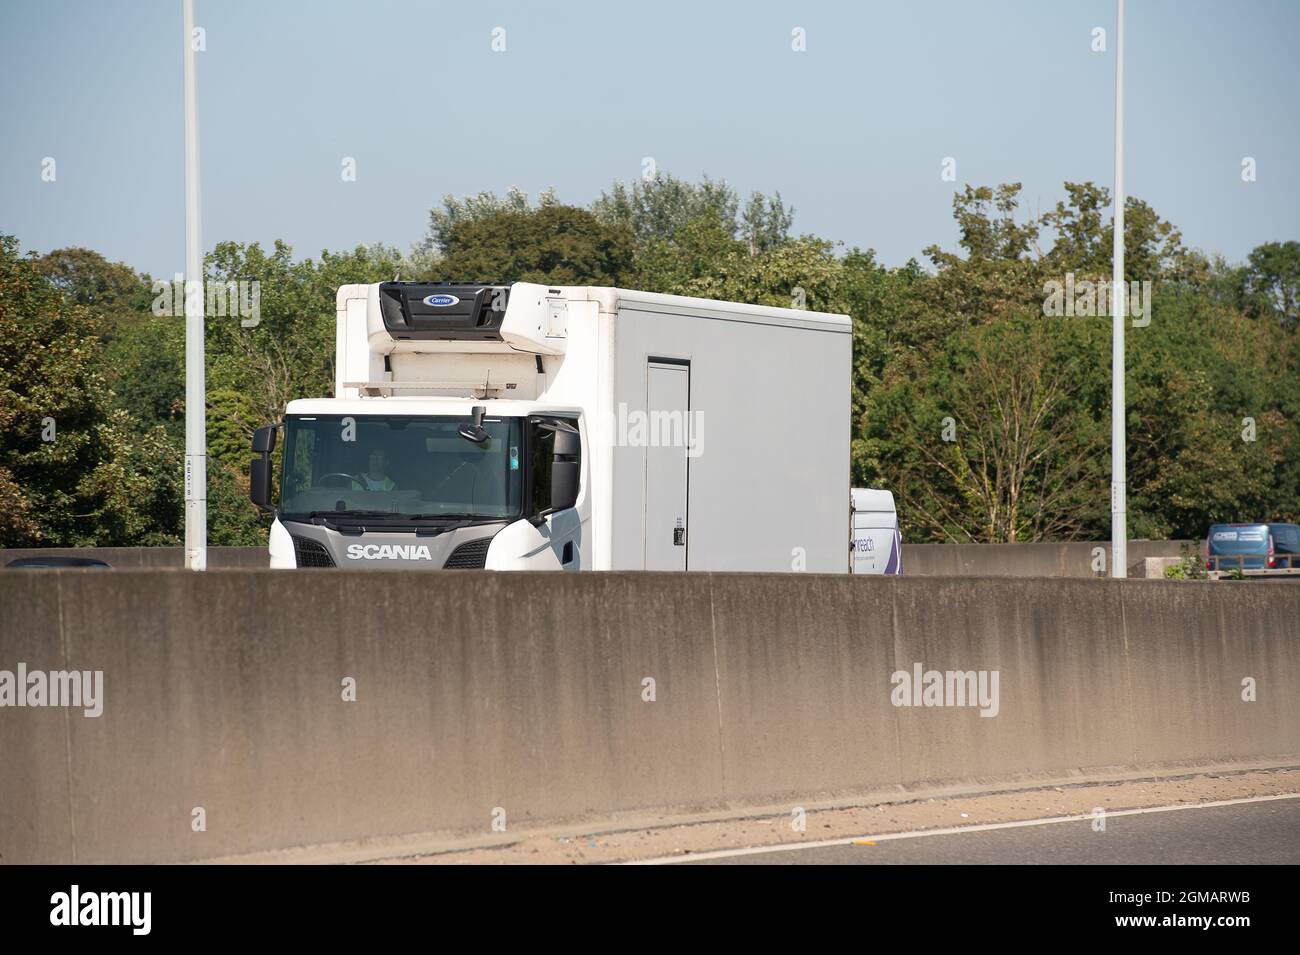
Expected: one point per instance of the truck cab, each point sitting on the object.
(419, 461)
(419, 484)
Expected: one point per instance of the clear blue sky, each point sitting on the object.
(852, 132)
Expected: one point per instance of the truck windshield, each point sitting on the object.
(400, 465)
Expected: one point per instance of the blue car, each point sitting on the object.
(1230, 547)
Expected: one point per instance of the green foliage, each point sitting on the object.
(991, 441)
(704, 261)
(103, 478)
(659, 209)
(560, 245)
(681, 265)
(233, 520)
(290, 352)
(231, 419)
(1190, 566)
(1270, 282)
(253, 372)
(84, 277)
(1194, 375)
(1153, 248)
(960, 347)
(144, 364)
(476, 208)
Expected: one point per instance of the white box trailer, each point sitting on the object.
(539, 427)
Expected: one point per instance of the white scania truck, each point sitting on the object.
(562, 428)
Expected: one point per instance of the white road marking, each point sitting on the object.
(953, 830)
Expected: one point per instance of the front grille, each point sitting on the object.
(471, 555)
(311, 554)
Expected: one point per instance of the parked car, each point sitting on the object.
(55, 560)
(1230, 547)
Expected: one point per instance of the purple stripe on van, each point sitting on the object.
(895, 562)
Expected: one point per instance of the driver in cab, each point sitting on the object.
(375, 478)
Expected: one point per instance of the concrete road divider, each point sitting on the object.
(1048, 559)
(525, 699)
(1054, 559)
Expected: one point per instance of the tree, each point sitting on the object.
(986, 218)
(74, 469)
(485, 205)
(1080, 224)
(887, 315)
(289, 353)
(765, 223)
(253, 372)
(560, 245)
(1153, 247)
(84, 277)
(658, 209)
(690, 263)
(143, 361)
(1195, 375)
(997, 277)
(1271, 282)
(142, 354)
(991, 443)
(1213, 380)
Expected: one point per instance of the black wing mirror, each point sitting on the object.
(566, 469)
(259, 472)
(264, 440)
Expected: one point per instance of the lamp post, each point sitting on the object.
(1118, 299)
(196, 443)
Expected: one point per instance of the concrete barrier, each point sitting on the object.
(1053, 559)
(1061, 559)
(526, 692)
(1152, 568)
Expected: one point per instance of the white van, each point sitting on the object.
(877, 546)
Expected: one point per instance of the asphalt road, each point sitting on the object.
(1245, 834)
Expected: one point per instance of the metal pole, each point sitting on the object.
(1118, 298)
(196, 450)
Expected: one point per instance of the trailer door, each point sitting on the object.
(668, 392)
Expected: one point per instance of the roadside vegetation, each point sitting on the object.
(987, 418)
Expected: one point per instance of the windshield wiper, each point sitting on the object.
(353, 513)
(448, 517)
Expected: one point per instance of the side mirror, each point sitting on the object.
(264, 440)
(259, 482)
(566, 470)
(259, 472)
